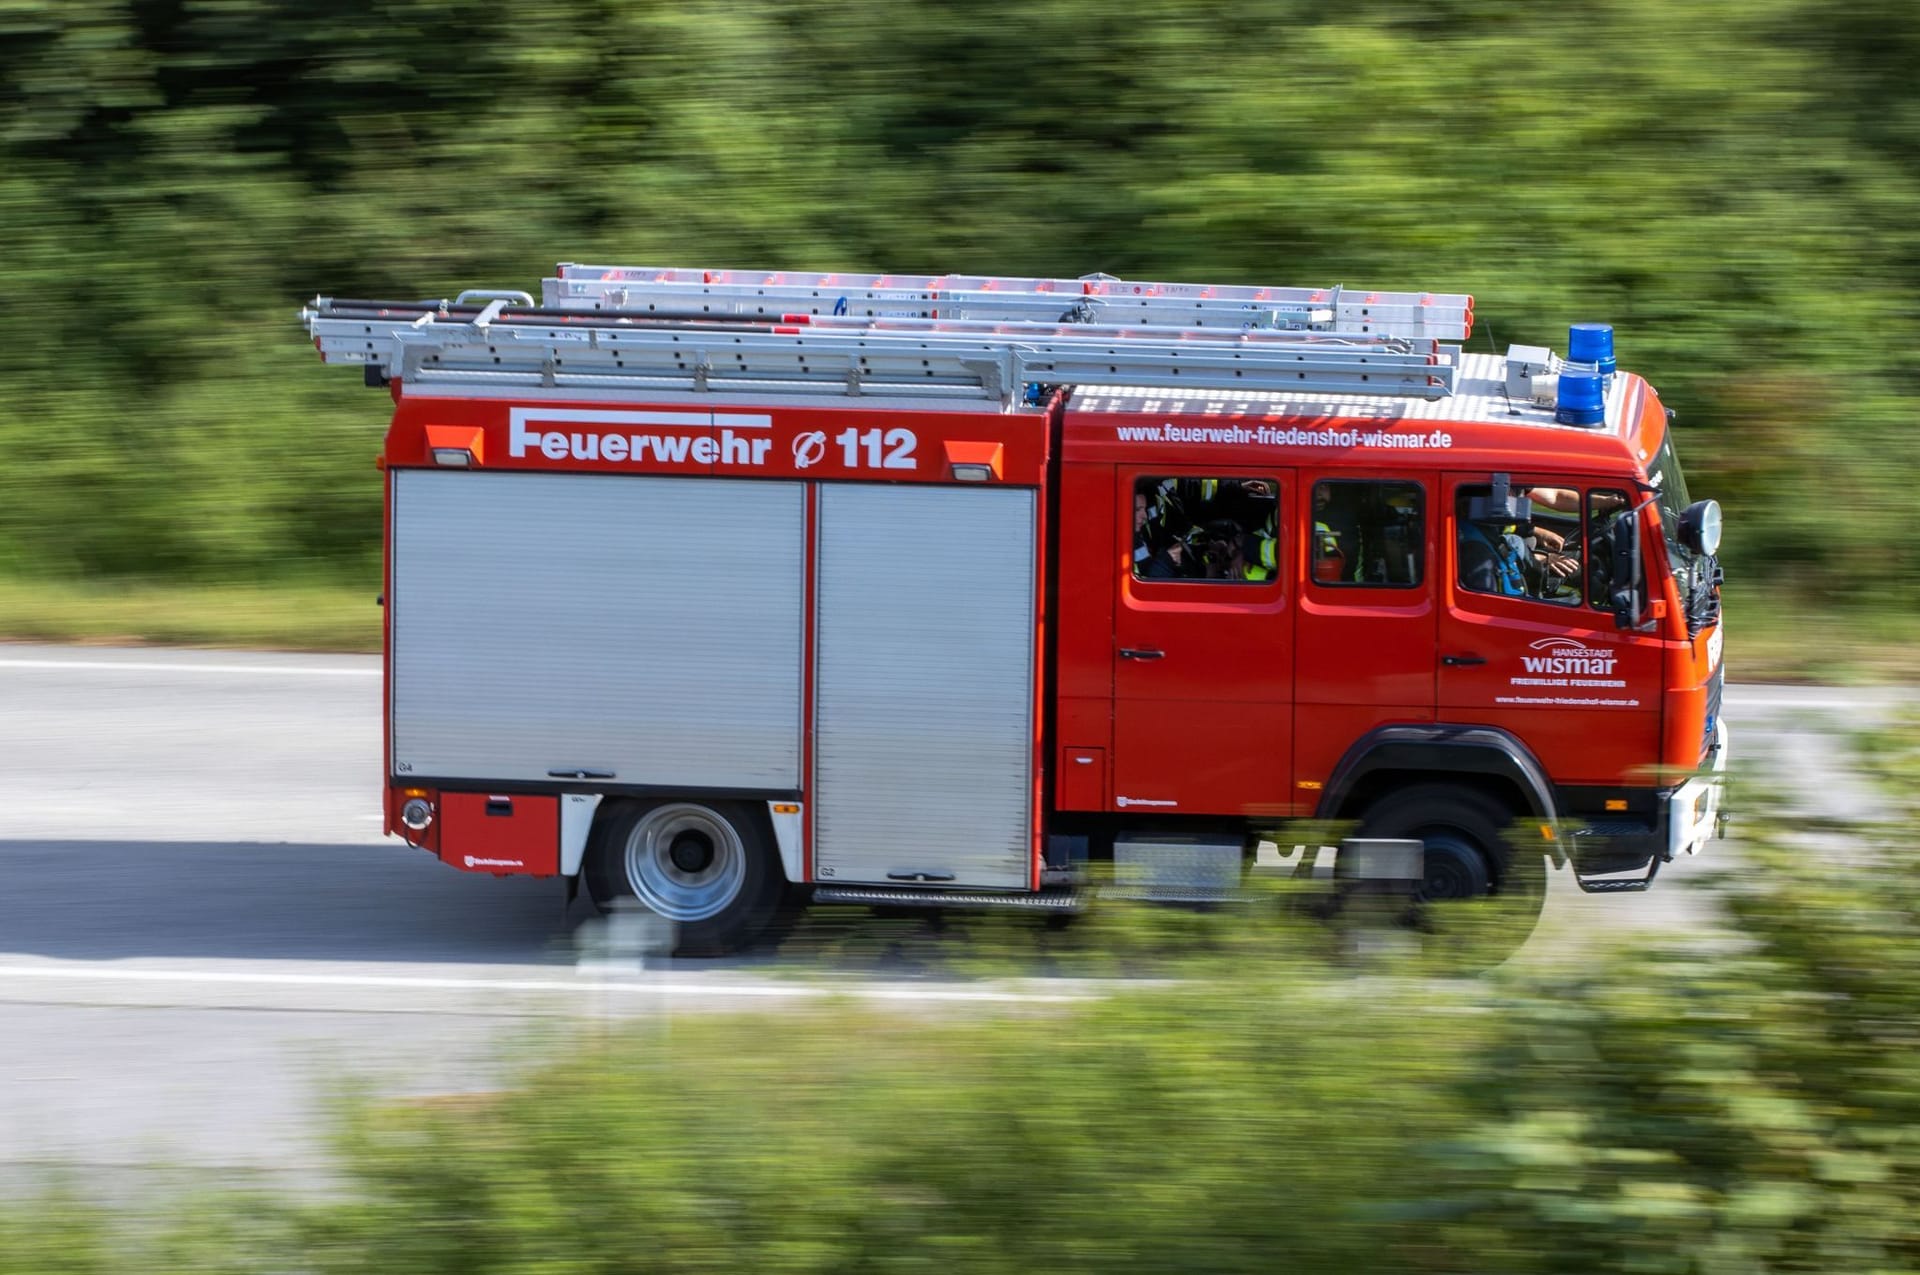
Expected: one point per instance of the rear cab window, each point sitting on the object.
(1368, 533)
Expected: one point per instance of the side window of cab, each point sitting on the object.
(1368, 533)
(1547, 545)
(1206, 530)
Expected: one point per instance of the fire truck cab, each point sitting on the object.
(720, 590)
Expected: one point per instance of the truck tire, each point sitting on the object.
(1469, 856)
(707, 867)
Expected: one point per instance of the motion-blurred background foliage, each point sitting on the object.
(1733, 183)
(1746, 1105)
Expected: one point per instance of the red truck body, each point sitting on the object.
(904, 648)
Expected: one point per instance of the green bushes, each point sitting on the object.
(1750, 1105)
(1741, 1110)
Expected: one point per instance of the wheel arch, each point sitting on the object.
(584, 815)
(1483, 758)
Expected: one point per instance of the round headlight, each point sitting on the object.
(1700, 527)
(417, 814)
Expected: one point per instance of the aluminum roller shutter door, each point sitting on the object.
(924, 684)
(647, 626)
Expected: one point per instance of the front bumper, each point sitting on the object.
(1693, 809)
(1682, 821)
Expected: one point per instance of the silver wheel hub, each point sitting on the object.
(685, 862)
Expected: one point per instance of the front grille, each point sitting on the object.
(1715, 685)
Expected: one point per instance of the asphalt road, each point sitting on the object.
(202, 929)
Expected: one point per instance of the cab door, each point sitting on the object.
(1202, 635)
(1365, 623)
(1527, 637)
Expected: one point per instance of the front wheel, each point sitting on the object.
(1482, 892)
(707, 867)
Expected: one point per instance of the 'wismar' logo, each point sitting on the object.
(1565, 655)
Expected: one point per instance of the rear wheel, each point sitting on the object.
(709, 868)
(1480, 887)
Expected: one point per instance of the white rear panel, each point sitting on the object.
(925, 684)
(650, 627)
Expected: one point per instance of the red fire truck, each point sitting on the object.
(723, 589)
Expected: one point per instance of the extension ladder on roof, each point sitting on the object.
(1091, 299)
(486, 338)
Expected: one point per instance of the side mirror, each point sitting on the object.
(1700, 527)
(1629, 596)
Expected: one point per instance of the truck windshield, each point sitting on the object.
(1698, 575)
(1670, 487)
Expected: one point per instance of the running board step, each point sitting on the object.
(884, 896)
(1620, 885)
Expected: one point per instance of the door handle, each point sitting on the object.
(1463, 661)
(1140, 653)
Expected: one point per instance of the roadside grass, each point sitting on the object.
(1792, 639)
(294, 617)
(1890, 755)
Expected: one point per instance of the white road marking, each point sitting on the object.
(290, 670)
(586, 983)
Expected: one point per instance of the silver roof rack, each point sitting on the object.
(499, 338)
(1095, 298)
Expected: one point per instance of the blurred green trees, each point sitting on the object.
(1731, 183)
